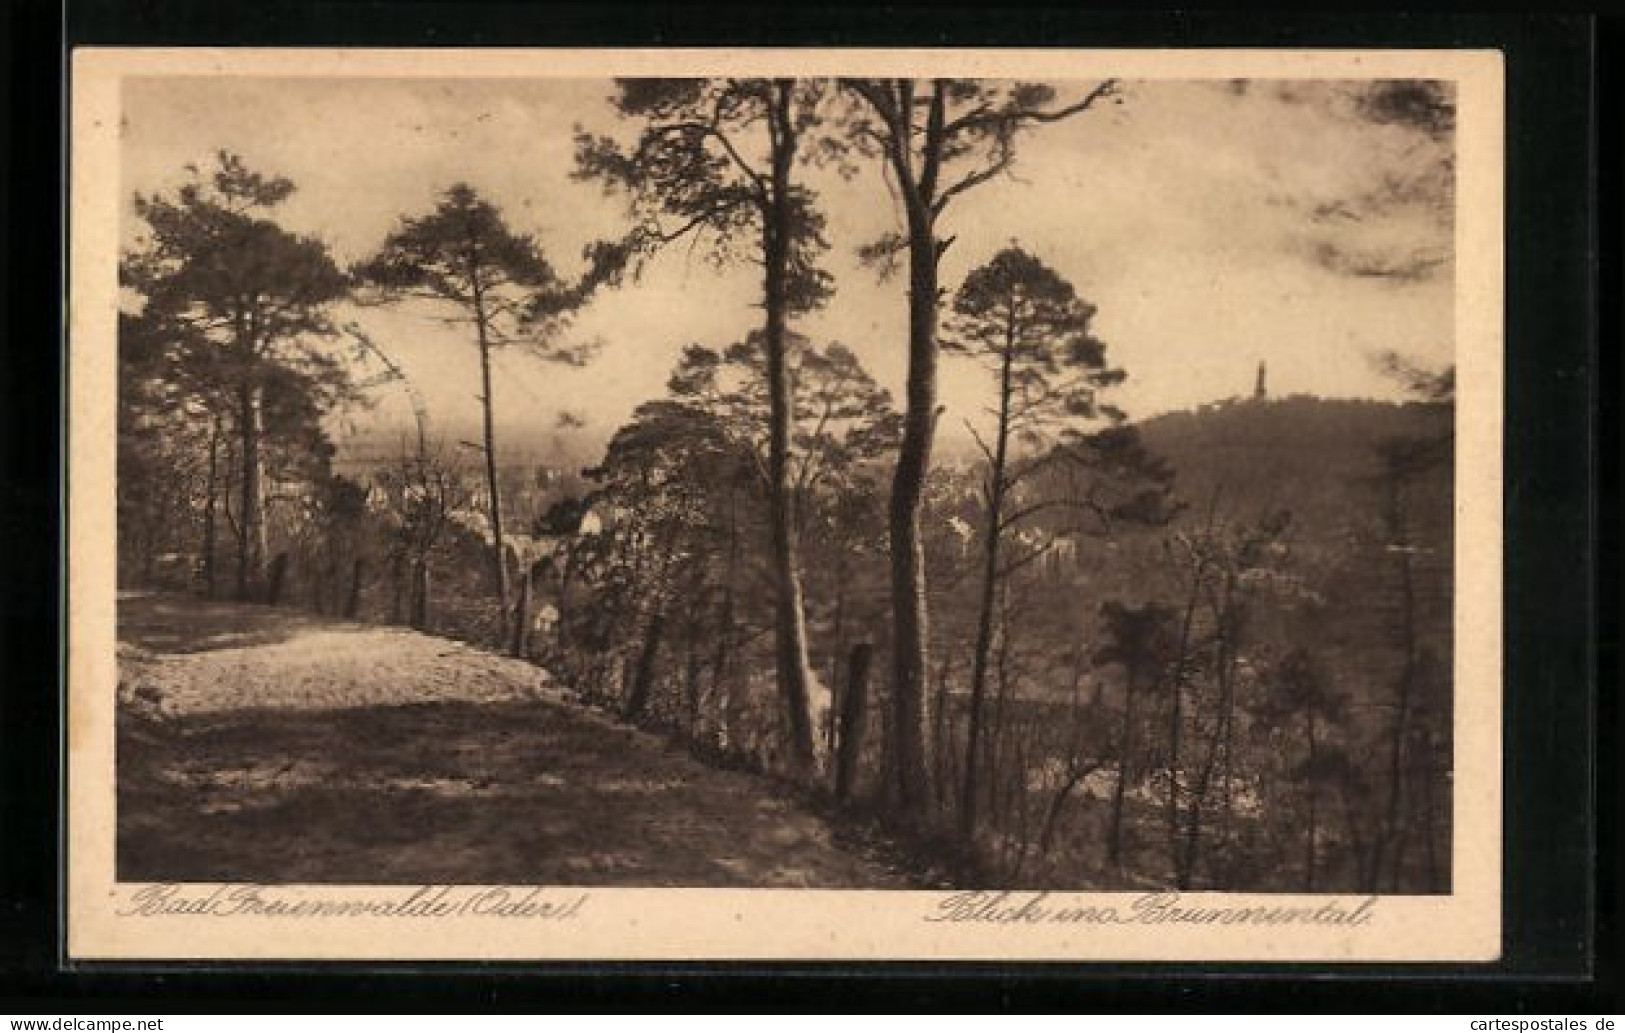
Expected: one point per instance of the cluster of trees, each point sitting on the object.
(231, 361)
(1106, 666)
(219, 362)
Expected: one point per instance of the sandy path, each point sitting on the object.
(297, 750)
(344, 666)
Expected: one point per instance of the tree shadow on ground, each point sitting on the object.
(517, 793)
(164, 624)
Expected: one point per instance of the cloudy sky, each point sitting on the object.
(1214, 225)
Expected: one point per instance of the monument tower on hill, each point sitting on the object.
(1260, 392)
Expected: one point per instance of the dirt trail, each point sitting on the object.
(342, 666)
(289, 749)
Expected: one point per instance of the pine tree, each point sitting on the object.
(718, 157)
(249, 302)
(1027, 326)
(464, 254)
(936, 140)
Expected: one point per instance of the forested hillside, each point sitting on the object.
(1308, 454)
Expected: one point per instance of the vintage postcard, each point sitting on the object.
(1007, 505)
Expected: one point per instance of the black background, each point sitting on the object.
(1562, 521)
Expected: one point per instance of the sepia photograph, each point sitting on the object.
(1036, 487)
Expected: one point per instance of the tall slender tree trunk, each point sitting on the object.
(854, 705)
(909, 606)
(1125, 756)
(722, 663)
(520, 644)
(210, 505)
(1227, 795)
(838, 637)
(996, 487)
(637, 700)
(1390, 830)
(1176, 721)
(251, 534)
(1313, 831)
(997, 744)
(693, 669)
(1218, 744)
(941, 741)
(1176, 714)
(790, 625)
(499, 558)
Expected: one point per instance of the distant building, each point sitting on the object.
(1260, 391)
